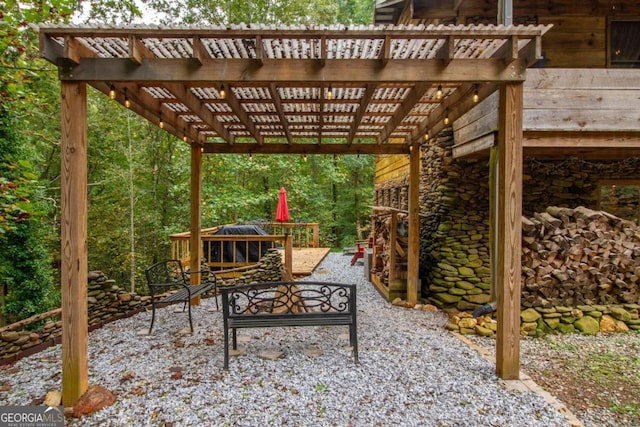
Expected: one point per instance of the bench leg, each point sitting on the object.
(353, 341)
(226, 348)
(215, 295)
(153, 316)
(190, 321)
(235, 340)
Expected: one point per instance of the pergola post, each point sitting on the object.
(288, 252)
(413, 256)
(73, 239)
(196, 222)
(509, 242)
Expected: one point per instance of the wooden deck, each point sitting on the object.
(305, 260)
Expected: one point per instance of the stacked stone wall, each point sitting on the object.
(454, 208)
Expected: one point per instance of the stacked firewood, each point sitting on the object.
(384, 245)
(579, 257)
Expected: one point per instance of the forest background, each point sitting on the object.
(138, 175)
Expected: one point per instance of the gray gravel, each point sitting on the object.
(412, 372)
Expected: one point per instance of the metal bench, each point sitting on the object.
(169, 283)
(275, 304)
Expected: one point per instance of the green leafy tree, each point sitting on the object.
(27, 284)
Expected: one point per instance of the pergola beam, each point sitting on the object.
(237, 71)
(435, 32)
(415, 94)
(301, 148)
(453, 106)
(277, 102)
(185, 96)
(369, 90)
(242, 114)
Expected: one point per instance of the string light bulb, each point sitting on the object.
(127, 102)
(184, 135)
(250, 156)
(476, 95)
(330, 93)
(161, 123)
(446, 118)
(112, 92)
(439, 93)
(426, 136)
(304, 157)
(222, 92)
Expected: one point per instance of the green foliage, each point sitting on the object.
(24, 262)
(25, 269)
(132, 160)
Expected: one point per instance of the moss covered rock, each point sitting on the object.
(587, 325)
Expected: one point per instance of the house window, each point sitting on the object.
(624, 43)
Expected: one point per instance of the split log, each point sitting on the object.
(579, 256)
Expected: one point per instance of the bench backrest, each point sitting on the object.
(297, 298)
(165, 273)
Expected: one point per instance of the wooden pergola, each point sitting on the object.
(293, 90)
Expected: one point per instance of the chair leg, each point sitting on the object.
(153, 316)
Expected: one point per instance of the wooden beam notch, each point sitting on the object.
(259, 51)
(138, 51)
(200, 54)
(446, 51)
(385, 51)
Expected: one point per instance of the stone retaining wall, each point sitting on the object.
(587, 319)
(106, 302)
(454, 208)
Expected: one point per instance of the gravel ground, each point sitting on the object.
(412, 372)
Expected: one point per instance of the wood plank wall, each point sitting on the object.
(390, 167)
(575, 42)
(565, 104)
(579, 36)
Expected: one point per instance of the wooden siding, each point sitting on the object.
(578, 38)
(390, 167)
(570, 109)
(575, 42)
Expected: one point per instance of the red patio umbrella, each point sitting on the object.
(282, 211)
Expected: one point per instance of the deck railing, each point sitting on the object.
(230, 251)
(236, 247)
(304, 234)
